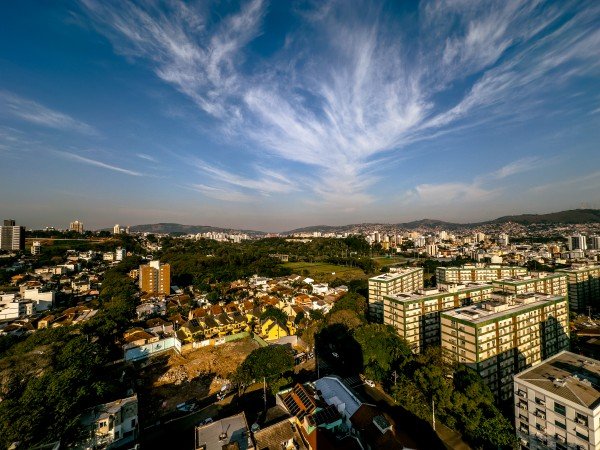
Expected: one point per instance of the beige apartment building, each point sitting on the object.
(155, 278)
(557, 404)
(542, 282)
(584, 288)
(477, 273)
(505, 335)
(404, 280)
(416, 315)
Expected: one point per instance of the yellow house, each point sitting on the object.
(272, 330)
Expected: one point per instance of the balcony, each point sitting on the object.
(540, 401)
(522, 393)
(540, 414)
(560, 438)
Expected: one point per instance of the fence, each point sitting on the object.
(145, 351)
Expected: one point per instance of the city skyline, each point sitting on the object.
(273, 116)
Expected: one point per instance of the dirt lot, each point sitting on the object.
(170, 379)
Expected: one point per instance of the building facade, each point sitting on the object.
(557, 404)
(404, 280)
(76, 226)
(584, 287)
(155, 278)
(505, 335)
(12, 236)
(479, 273)
(544, 283)
(416, 315)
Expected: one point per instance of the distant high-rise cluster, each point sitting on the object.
(12, 236)
(76, 226)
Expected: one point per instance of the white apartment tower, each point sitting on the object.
(557, 404)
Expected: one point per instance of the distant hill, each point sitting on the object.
(163, 228)
(571, 216)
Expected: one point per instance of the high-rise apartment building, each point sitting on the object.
(416, 315)
(503, 239)
(542, 282)
(577, 242)
(12, 236)
(594, 242)
(117, 229)
(557, 404)
(584, 287)
(505, 335)
(76, 226)
(477, 273)
(155, 278)
(404, 280)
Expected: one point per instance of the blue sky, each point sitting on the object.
(274, 115)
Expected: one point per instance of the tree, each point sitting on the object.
(353, 302)
(269, 362)
(299, 318)
(345, 317)
(382, 349)
(274, 313)
(315, 314)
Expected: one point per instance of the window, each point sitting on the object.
(581, 435)
(560, 424)
(581, 419)
(559, 409)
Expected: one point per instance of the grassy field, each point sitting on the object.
(385, 261)
(324, 272)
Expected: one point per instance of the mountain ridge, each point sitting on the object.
(572, 216)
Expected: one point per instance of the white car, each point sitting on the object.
(370, 383)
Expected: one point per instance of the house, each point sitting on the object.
(112, 424)
(271, 329)
(230, 433)
(283, 435)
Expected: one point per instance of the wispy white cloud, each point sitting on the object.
(266, 182)
(515, 167)
(228, 195)
(362, 93)
(38, 114)
(96, 163)
(579, 183)
(200, 61)
(146, 157)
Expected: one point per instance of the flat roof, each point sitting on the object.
(393, 275)
(220, 433)
(569, 376)
(578, 269)
(431, 293)
(493, 309)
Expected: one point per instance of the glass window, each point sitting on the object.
(559, 409)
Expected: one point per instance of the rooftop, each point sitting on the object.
(569, 376)
(334, 392)
(225, 432)
(393, 275)
(500, 306)
(431, 292)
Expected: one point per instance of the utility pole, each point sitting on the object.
(433, 413)
(265, 392)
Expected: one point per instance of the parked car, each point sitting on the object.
(370, 383)
(207, 421)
